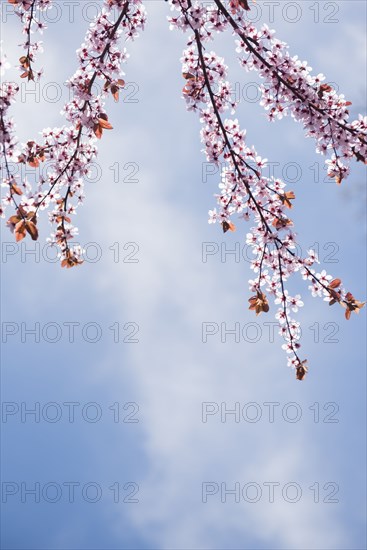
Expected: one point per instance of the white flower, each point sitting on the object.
(213, 216)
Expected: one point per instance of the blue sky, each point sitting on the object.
(163, 379)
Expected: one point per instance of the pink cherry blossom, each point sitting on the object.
(288, 88)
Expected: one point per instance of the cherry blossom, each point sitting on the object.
(71, 149)
(243, 186)
(288, 88)
(29, 12)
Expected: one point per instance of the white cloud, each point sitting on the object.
(170, 293)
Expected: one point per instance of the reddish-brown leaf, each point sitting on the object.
(228, 226)
(335, 283)
(32, 230)
(13, 220)
(115, 92)
(280, 223)
(24, 61)
(287, 197)
(244, 4)
(15, 190)
(104, 124)
(301, 370)
(188, 76)
(98, 131)
(33, 162)
(70, 260)
(259, 303)
(20, 231)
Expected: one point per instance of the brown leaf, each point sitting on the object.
(335, 283)
(70, 260)
(15, 190)
(259, 303)
(13, 220)
(24, 61)
(115, 92)
(244, 4)
(32, 230)
(33, 162)
(98, 131)
(188, 76)
(287, 197)
(281, 223)
(31, 216)
(323, 88)
(351, 305)
(228, 226)
(335, 296)
(301, 370)
(103, 123)
(20, 231)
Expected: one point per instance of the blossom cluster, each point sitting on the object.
(207, 18)
(288, 85)
(30, 14)
(8, 141)
(70, 150)
(245, 191)
(288, 88)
